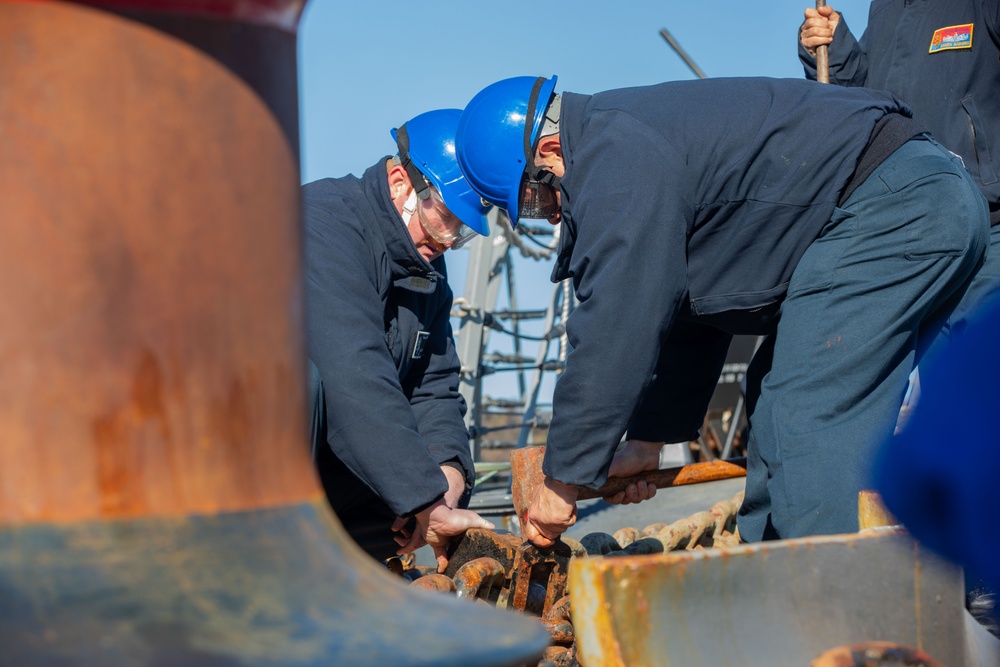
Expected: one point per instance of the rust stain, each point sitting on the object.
(837, 341)
(112, 449)
(147, 393)
(230, 417)
(117, 437)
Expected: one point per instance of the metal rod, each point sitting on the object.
(682, 53)
(822, 56)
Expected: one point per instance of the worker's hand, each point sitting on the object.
(550, 514)
(435, 526)
(818, 29)
(456, 486)
(635, 457)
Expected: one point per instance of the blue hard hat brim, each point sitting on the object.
(456, 193)
(472, 216)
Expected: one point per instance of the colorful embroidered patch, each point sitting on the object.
(952, 37)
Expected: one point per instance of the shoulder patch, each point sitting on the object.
(417, 284)
(952, 37)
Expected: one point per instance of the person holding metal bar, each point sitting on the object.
(943, 60)
(388, 434)
(822, 217)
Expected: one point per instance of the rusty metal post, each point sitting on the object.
(157, 501)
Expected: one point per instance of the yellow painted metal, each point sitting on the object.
(872, 513)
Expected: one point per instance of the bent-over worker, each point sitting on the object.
(822, 217)
(387, 420)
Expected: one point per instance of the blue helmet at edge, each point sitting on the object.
(431, 148)
(491, 138)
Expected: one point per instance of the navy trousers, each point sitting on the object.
(869, 296)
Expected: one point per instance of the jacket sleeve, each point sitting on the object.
(370, 424)
(623, 193)
(673, 410)
(437, 404)
(848, 58)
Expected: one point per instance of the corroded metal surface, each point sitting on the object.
(504, 569)
(545, 569)
(157, 502)
(875, 654)
(777, 603)
(149, 205)
(499, 568)
(436, 582)
(499, 545)
(481, 578)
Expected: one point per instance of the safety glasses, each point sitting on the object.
(537, 201)
(441, 225)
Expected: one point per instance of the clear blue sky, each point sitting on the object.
(368, 66)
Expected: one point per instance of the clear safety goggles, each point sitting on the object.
(538, 201)
(441, 225)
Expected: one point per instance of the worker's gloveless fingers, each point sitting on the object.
(533, 534)
(409, 545)
(633, 493)
(818, 28)
(441, 556)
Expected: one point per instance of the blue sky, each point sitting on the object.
(366, 67)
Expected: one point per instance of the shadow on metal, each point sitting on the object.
(157, 502)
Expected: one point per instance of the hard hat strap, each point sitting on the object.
(534, 173)
(419, 182)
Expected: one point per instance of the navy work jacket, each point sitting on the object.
(943, 60)
(379, 334)
(686, 207)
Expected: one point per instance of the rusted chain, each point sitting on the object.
(436, 582)
(626, 536)
(715, 527)
(559, 624)
(498, 568)
(480, 578)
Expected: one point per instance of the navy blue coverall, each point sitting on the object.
(386, 412)
(696, 210)
(943, 60)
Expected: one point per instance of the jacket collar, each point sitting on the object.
(570, 127)
(408, 269)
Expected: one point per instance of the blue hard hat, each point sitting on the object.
(491, 137)
(427, 142)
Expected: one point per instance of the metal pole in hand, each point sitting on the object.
(822, 56)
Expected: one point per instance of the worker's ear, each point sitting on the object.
(399, 182)
(549, 153)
